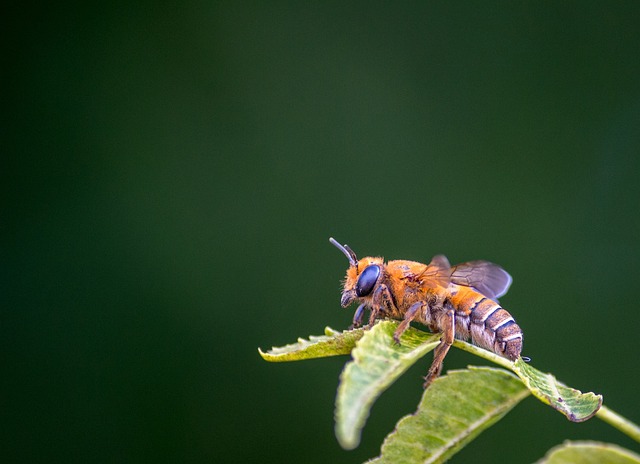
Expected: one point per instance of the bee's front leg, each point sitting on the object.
(447, 323)
(358, 316)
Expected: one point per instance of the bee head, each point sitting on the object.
(362, 275)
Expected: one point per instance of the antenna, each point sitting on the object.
(348, 252)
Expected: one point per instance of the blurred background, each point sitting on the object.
(171, 176)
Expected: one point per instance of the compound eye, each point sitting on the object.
(367, 280)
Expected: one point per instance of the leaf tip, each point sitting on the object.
(575, 405)
(347, 443)
(328, 331)
(581, 418)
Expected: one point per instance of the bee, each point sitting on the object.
(458, 301)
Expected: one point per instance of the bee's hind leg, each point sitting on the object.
(448, 323)
(409, 316)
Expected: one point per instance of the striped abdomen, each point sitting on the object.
(487, 324)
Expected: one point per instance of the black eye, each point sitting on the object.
(367, 280)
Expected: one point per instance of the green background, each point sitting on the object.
(171, 176)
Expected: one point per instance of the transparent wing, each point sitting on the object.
(487, 278)
(440, 261)
(437, 272)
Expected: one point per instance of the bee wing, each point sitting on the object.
(437, 272)
(440, 261)
(488, 278)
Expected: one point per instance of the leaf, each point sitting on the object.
(454, 410)
(377, 362)
(332, 343)
(574, 404)
(589, 452)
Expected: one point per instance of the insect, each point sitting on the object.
(458, 301)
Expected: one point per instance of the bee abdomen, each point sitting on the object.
(509, 336)
(492, 327)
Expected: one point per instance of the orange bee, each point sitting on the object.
(457, 301)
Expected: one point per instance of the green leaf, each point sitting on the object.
(332, 343)
(454, 410)
(377, 362)
(589, 452)
(574, 404)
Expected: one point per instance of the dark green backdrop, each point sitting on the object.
(171, 175)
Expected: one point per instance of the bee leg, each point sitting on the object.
(381, 301)
(409, 316)
(357, 317)
(373, 315)
(448, 324)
